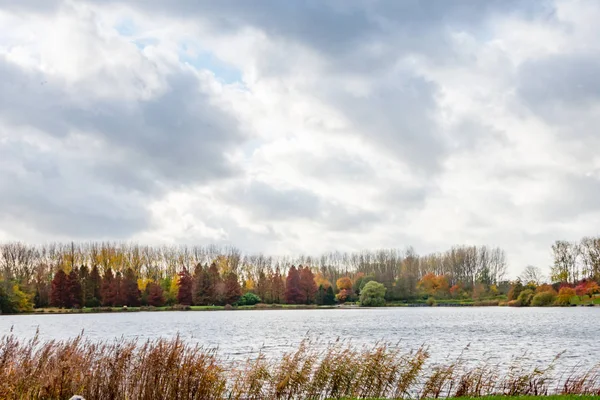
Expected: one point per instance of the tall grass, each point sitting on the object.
(172, 369)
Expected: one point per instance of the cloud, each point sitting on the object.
(301, 127)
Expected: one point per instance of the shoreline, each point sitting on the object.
(267, 307)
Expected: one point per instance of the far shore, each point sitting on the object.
(96, 310)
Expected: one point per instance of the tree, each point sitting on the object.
(308, 287)
(293, 293)
(344, 286)
(129, 289)
(564, 296)
(201, 286)
(372, 295)
(248, 299)
(59, 294)
(75, 296)
(108, 288)
(277, 287)
(329, 297)
(532, 274)
(434, 285)
(155, 294)
(565, 262)
(93, 291)
(216, 288)
(116, 289)
(233, 290)
(185, 283)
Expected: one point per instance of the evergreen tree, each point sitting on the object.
(308, 287)
(59, 294)
(293, 293)
(320, 296)
(185, 283)
(329, 297)
(93, 288)
(119, 301)
(262, 287)
(75, 297)
(233, 291)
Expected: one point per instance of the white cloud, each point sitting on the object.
(332, 128)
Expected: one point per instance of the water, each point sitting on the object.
(491, 333)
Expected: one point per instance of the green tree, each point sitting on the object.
(373, 295)
(248, 299)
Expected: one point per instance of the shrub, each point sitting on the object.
(514, 303)
(525, 297)
(431, 302)
(544, 299)
(228, 307)
(564, 296)
(372, 295)
(248, 299)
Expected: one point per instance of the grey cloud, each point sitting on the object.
(176, 138)
(549, 85)
(49, 192)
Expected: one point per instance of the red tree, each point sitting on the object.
(59, 295)
(293, 294)
(75, 294)
(107, 288)
(155, 294)
(308, 287)
(233, 290)
(185, 283)
(129, 289)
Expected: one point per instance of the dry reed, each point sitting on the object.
(172, 369)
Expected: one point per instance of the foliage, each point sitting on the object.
(434, 285)
(431, 302)
(525, 297)
(248, 299)
(372, 295)
(293, 293)
(544, 299)
(564, 296)
(184, 292)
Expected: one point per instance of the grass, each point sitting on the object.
(172, 369)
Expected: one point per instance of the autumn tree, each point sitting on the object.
(59, 294)
(277, 286)
(201, 286)
(434, 285)
(233, 290)
(293, 293)
(215, 284)
(155, 294)
(308, 287)
(345, 292)
(108, 288)
(185, 283)
(129, 289)
(75, 297)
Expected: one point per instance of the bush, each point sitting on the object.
(544, 299)
(372, 295)
(525, 297)
(228, 307)
(431, 302)
(564, 296)
(514, 303)
(248, 299)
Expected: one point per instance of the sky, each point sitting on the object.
(302, 127)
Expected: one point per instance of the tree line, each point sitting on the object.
(116, 274)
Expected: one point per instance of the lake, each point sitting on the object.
(491, 333)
